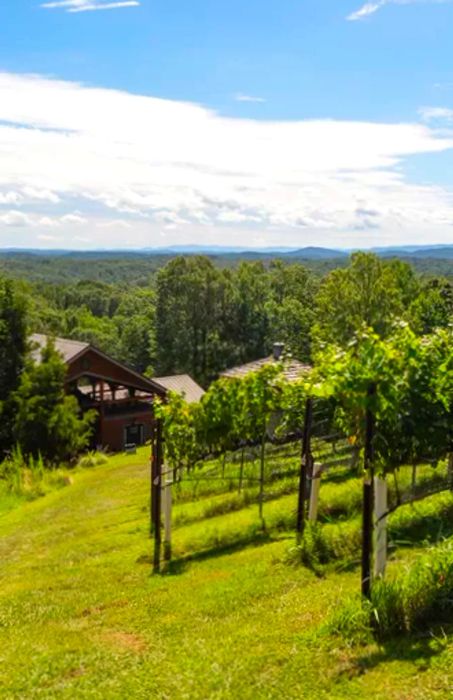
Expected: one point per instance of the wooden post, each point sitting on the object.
(261, 493)
(167, 518)
(380, 541)
(314, 493)
(156, 495)
(241, 470)
(153, 476)
(414, 479)
(367, 522)
(450, 470)
(304, 468)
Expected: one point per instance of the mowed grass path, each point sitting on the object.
(82, 617)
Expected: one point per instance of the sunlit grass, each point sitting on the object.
(81, 616)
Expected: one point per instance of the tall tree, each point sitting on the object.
(433, 308)
(13, 346)
(187, 317)
(47, 420)
(368, 293)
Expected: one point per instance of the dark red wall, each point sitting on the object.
(111, 428)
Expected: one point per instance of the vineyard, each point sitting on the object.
(330, 456)
(261, 562)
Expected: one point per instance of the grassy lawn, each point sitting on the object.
(81, 616)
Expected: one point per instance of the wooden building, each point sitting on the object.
(122, 397)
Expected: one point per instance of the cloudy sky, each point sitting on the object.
(147, 123)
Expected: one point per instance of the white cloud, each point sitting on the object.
(46, 237)
(10, 197)
(371, 7)
(368, 9)
(436, 114)
(240, 97)
(114, 223)
(32, 193)
(75, 219)
(157, 163)
(15, 219)
(88, 5)
(236, 217)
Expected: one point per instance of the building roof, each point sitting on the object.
(74, 351)
(292, 368)
(182, 384)
(69, 349)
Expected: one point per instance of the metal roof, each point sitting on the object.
(182, 384)
(69, 349)
(292, 368)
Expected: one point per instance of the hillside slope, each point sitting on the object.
(81, 616)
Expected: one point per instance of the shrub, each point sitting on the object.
(47, 421)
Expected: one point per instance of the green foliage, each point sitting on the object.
(13, 346)
(233, 412)
(370, 292)
(47, 421)
(412, 397)
(208, 319)
(433, 308)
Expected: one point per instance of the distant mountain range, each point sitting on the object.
(439, 252)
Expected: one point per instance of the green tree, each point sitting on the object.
(47, 421)
(369, 292)
(13, 346)
(187, 318)
(433, 308)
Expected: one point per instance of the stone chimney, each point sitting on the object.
(278, 350)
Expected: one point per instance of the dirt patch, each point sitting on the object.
(96, 609)
(126, 641)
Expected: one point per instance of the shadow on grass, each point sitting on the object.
(179, 565)
(418, 650)
(422, 528)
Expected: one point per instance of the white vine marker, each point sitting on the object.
(380, 560)
(314, 494)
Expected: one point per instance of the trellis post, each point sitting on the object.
(368, 497)
(167, 517)
(261, 491)
(156, 492)
(304, 468)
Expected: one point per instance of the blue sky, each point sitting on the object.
(277, 122)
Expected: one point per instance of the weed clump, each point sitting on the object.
(28, 477)
(93, 459)
(322, 545)
(414, 601)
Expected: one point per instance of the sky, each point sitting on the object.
(246, 123)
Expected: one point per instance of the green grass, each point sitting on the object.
(81, 616)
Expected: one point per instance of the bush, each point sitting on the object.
(47, 421)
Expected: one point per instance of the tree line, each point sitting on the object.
(197, 318)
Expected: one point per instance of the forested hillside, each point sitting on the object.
(190, 314)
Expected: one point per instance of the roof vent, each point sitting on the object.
(278, 350)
